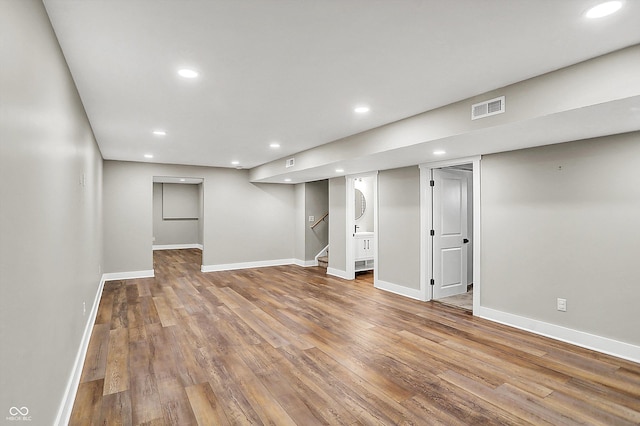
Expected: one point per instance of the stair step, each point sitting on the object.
(323, 261)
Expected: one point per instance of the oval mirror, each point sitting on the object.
(360, 204)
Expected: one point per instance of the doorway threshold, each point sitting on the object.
(460, 301)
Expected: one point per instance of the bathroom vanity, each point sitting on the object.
(364, 249)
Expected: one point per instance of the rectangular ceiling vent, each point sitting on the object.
(290, 162)
(487, 108)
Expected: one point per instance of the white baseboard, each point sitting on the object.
(398, 289)
(305, 263)
(112, 276)
(176, 246)
(64, 412)
(247, 265)
(338, 273)
(579, 338)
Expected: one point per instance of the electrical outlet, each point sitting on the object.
(84, 308)
(562, 305)
(312, 218)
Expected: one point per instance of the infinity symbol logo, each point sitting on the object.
(14, 411)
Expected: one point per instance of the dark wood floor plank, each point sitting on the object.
(291, 345)
(103, 315)
(119, 312)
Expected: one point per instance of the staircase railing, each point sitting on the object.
(317, 222)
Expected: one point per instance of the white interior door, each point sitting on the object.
(450, 234)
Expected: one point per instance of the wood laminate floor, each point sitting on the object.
(289, 345)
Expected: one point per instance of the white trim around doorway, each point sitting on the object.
(350, 273)
(426, 206)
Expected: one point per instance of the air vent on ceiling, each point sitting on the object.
(290, 162)
(487, 108)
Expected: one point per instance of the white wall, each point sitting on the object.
(246, 222)
(243, 222)
(128, 217)
(399, 227)
(562, 222)
(300, 222)
(50, 215)
(337, 226)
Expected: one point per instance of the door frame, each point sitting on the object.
(426, 216)
(350, 268)
(442, 241)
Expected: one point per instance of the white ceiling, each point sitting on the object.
(292, 71)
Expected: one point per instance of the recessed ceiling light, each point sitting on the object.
(159, 133)
(603, 9)
(287, 180)
(148, 156)
(361, 109)
(187, 73)
(274, 145)
(339, 170)
(183, 180)
(439, 152)
(235, 163)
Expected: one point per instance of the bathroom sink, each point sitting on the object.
(363, 234)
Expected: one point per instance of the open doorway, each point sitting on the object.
(361, 256)
(178, 207)
(450, 232)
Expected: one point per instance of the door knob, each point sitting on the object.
(465, 241)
